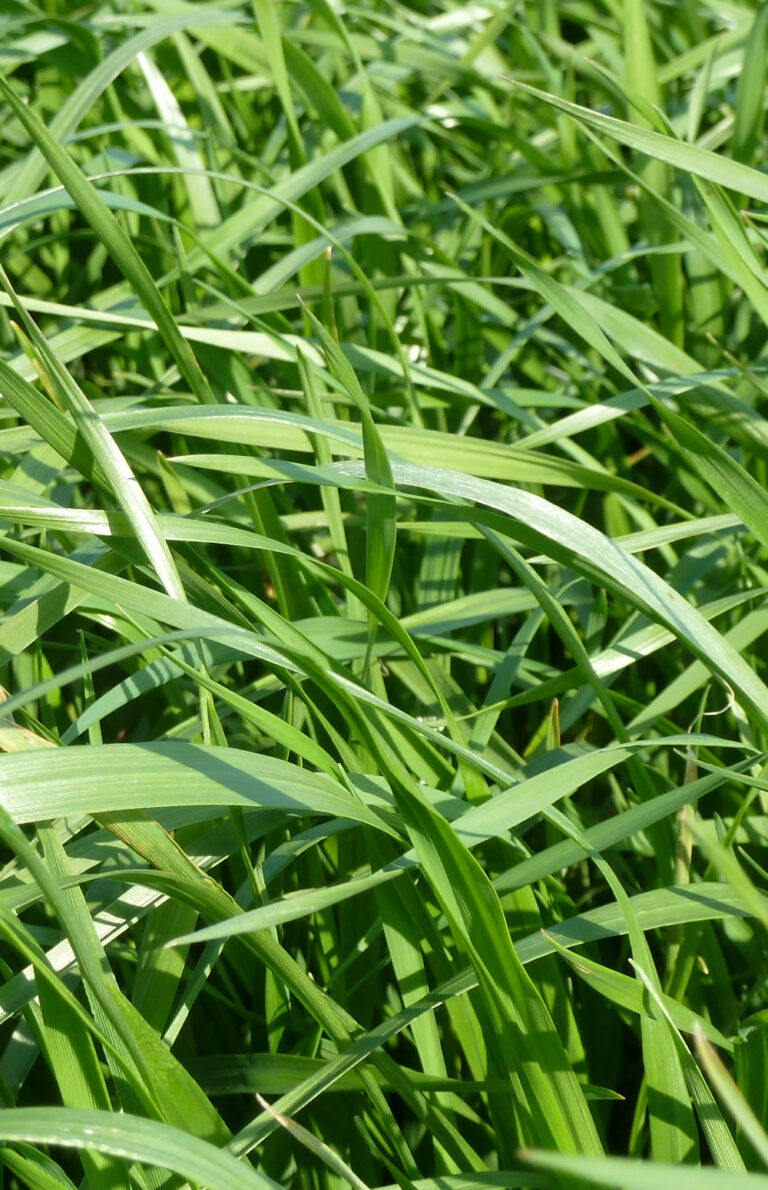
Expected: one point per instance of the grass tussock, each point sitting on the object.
(383, 572)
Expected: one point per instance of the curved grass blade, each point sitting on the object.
(116, 241)
(145, 1141)
(733, 175)
(616, 1172)
(106, 454)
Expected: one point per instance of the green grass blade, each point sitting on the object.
(733, 175)
(145, 1141)
(644, 1175)
(114, 238)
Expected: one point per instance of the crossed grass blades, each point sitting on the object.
(383, 795)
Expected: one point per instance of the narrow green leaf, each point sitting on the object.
(643, 1175)
(116, 241)
(701, 162)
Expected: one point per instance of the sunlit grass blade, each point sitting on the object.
(145, 1141)
(123, 484)
(702, 162)
(370, 563)
(114, 238)
(750, 94)
(510, 998)
(643, 1175)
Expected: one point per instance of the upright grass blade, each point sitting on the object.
(722, 1145)
(641, 77)
(749, 115)
(117, 243)
(381, 513)
(75, 1065)
(124, 487)
(166, 1086)
(549, 1103)
(732, 1098)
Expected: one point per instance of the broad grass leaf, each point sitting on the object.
(112, 777)
(643, 1175)
(145, 1141)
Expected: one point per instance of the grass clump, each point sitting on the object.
(383, 569)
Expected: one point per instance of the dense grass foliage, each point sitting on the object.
(383, 573)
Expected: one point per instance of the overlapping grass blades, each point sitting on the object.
(382, 573)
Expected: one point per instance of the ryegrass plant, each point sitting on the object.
(383, 571)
